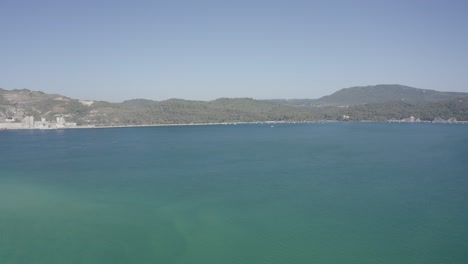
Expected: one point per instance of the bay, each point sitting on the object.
(287, 193)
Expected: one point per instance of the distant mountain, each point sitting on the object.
(138, 103)
(24, 102)
(20, 103)
(376, 94)
(397, 110)
(377, 103)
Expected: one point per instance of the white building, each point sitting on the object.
(28, 122)
(60, 120)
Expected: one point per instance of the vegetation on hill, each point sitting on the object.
(176, 111)
(375, 94)
(19, 103)
(455, 108)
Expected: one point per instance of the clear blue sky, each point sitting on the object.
(116, 50)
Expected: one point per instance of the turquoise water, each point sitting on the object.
(308, 193)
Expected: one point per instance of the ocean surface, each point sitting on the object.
(292, 193)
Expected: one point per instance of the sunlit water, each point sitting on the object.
(310, 193)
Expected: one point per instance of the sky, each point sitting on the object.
(202, 50)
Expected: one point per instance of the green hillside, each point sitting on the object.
(455, 108)
(376, 94)
(423, 104)
(19, 103)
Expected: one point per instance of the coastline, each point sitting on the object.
(181, 124)
(230, 123)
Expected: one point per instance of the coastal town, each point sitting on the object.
(28, 122)
(28, 109)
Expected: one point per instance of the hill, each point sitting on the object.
(398, 110)
(424, 104)
(375, 94)
(20, 103)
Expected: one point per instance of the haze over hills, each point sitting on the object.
(378, 103)
(20, 103)
(375, 94)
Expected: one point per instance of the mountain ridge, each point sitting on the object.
(432, 104)
(358, 95)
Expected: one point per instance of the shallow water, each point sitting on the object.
(303, 193)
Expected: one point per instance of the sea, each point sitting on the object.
(374, 193)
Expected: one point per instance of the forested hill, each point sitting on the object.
(21, 103)
(398, 110)
(376, 94)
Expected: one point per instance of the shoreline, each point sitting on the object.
(181, 124)
(232, 123)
